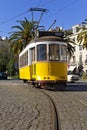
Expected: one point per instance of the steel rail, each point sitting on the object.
(54, 111)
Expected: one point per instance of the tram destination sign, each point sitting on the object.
(49, 33)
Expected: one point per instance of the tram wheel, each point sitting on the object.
(36, 85)
(24, 80)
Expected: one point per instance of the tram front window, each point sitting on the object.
(41, 52)
(54, 52)
(63, 53)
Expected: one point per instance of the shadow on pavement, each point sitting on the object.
(73, 87)
(81, 86)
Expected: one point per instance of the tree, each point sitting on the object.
(70, 46)
(21, 37)
(18, 40)
(4, 54)
(11, 70)
(82, 36)
(70, 42)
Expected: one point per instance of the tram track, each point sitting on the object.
(55, 120)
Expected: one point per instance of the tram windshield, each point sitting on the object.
(42, 52)
(63, 55)
(53, 52)
(57, 52)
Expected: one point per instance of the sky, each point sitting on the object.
(67, 13)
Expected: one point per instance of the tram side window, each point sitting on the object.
(41, 52)
(54, 52)
(24, 59)
(33, 54)
(63, 53)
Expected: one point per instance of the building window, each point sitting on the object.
(80, 47)
(80, 59)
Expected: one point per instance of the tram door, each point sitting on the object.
(33, 65)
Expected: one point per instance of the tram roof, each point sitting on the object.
(44, 39)
(41, 36)
(48, 38)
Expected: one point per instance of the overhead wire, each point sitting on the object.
(68, 5)
(10, 19)
(45, 3)
(41, 4)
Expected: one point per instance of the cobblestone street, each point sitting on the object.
(25, 108)
(21, 108)
(72, 107)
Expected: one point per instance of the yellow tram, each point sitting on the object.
(44, 60)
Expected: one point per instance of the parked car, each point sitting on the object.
(3, 75)
(71, 77)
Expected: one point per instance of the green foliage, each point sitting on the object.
(2, 65)
(70, 44)
(11, 67)
(19, 38)
(70, 49)
(82, 38)
(22, 36)
(4, 55)
(7, 59)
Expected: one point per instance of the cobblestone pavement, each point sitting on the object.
(23, 108)
(72, 108)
